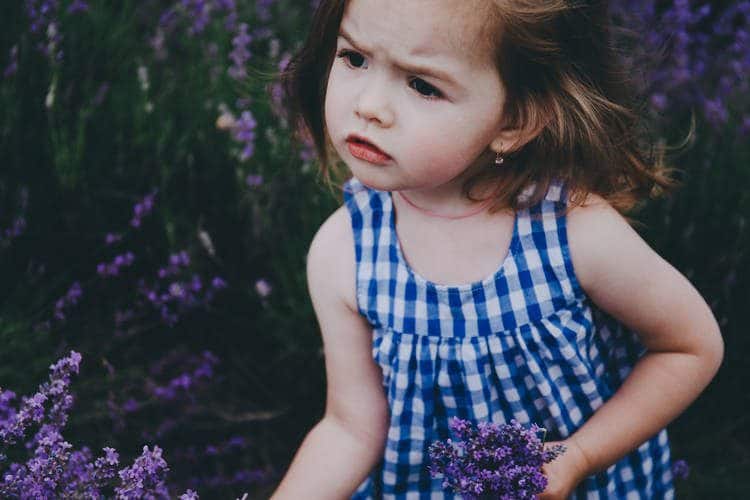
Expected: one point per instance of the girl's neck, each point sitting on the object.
(481, 207)
(487, 194)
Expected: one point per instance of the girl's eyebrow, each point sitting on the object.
(409, 68)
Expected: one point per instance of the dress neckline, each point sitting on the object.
(482, 283)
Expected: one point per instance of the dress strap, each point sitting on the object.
(351, 187)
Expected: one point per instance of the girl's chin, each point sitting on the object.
(371, 179)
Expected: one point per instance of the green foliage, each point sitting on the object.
(107, 139)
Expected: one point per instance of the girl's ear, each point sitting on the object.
(508, 141)
(511, 140)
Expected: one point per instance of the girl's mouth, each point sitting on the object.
(363, 149)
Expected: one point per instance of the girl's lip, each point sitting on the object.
(366, 143)
(367, 152)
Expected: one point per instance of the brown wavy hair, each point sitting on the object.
(566, 82)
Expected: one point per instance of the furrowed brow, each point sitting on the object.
(408, 68)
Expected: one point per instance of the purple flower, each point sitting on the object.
(144, 477)
(176, 290)
(130, 405)
(659, 102)
(78, 6)
(111, 457)
(143, 208)
(180, 259)
(504, 461)
(680, 469)
(254, 180)
(18, 227)
(199, 11)
(715, 111)
(105, 269)
(71, 298)
(240, 53)
(196, 284)
(696, 54)
(12, 66)
(263, 288)
(55, 469)
(111, 238)
(263, 8)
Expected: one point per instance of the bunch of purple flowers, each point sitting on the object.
(493, 461)
(56, 469)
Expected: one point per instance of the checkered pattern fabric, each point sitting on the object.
(524, 343)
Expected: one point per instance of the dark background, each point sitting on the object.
(124, 99)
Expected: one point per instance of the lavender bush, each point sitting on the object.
(155, 214)
(55, 469)
(490, 460)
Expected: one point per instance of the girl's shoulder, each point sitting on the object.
(331, 259)
(631, 282)
(590, 226)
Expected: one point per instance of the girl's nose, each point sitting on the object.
(374, 105)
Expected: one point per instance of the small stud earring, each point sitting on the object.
(499, 160)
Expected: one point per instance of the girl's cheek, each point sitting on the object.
(332, 95)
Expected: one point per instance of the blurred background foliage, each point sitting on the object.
(155, 214)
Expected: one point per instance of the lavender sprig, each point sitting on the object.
(55, 469)
(490, 460)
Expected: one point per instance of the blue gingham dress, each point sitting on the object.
(524, 343)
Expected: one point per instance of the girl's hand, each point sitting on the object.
(564, 472)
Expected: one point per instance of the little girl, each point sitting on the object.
(480, 266)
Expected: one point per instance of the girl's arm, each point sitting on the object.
(627, 279)
(339, 452)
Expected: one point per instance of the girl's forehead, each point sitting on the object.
(430, 28)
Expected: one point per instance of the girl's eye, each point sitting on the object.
(357, 61)
(353, 59)
(424, 88)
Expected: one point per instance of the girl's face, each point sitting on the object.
(409, 77)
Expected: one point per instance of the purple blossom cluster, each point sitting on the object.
(112, 238)
(244, 133)
(71, 298)
(12, 66)
(15, 230)
(240, 53)
(78, 6)
(702, 51)
(112, 268)
(198, 14)
(44, 21)
(172, 296)
(263, 288)
(243, 477)
(254, 180)
(55, 469)
(263, 9)
(15, 423)
(175, 262)
(231, 444)
(143, 208)
(492, 461)
(680, 469)
(145, 478)
(182, 383)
